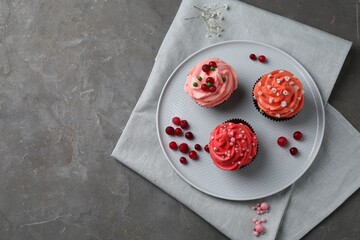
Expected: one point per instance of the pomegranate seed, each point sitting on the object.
(184, 124)
(262, 58)
(178, 132)
(176, 120)
(183, 160)
(184, 148)
(206, 148)
(212, 63)
(297, 135)
(197, 147)
(210, 80)
(212, 89)
(170, 130)
(193, 155)
(173, 145)
(282, 141)
(204, 87)
(206, 68)
(252, 56)
(189, 135)
(293, 151)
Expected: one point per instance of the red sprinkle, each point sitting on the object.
(210, 80)
(212, 89)
(204, 87)
(206, 68)
(176, 120)
(212, 63)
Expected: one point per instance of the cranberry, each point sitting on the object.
(252, 56)
(170, 130)
(184, 148)
(282, 141)
(173, 145)
(193, 155)
(297, 135)
(210, 80)
(206, 68)
(176, 120)
(204, 87)
(262, 58)
(213, 64)
(212, 89)
(206, 148)
(293, 151)
(189, 135)
(183, 160)
(178, 132)
(184, 124)
(197, 147)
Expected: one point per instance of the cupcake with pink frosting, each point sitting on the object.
(279, 95)
(233, 145)
(211, 82)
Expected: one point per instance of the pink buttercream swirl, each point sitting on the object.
(225, 81)
(232, 145)
(279, 94)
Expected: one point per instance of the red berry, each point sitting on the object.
(282, 141)
(197, 147)
(193, 155)
(293, 151)
(183, 160)
(189, 135)
(210, 80)
(173, 145)
(176, 120)
(297, 135)
(206, 68)
(262, 58)
(206, 148)
(178, 132)
(204, 87)
(212, 63)
(184, 124)
(252, 56)
(212, 89)
(184, 148)
(170, 130)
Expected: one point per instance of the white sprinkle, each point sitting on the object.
(259, 84)
(231, 134)
(285, 92)
(302, 91)
(281, 71)
(296, 87)
(223, 156)
(269, 75)
(253, 144)
(236, 145)
(232, 139)
(291, 110)
(299, 98)
(278, 80)
(212, 137)
(243, 149)
(239, 162)
(287, 78)
(268, 86)
(240, 135)
(215, 149)
(231, 144)
(277, 94)
(278, 115)
(241, 154)
(259, 92)
(250, 157)
(291, 82)
(242, 141)
(273, 90)
(283, 104)
(242, 131)
(247, 150)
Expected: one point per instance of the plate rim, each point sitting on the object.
(318, 106)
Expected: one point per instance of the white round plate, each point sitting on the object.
(274, 168)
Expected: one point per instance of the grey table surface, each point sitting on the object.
(71, 72)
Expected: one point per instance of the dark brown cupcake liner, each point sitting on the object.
(266, 115)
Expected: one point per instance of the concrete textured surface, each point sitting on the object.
(71, 72)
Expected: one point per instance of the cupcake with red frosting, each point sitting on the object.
(211, 82)
(233, 145)
(279, 95)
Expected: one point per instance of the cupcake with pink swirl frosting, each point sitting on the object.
(211, 82)
(233, 145)
(279, 95)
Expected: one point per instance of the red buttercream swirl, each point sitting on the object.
(232, 145)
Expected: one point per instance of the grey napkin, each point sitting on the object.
(321, 54)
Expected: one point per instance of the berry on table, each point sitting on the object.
(262, 58)
(184, 124)
(197, 147)
(178, 132)
(297, 135)
(193, 155)
(206, 148)
(252, 56)
(173, 145)
(170, 130)
(293, 151)
(176, 121)
(183, 160)
(184, 148)
(282, 141)
(189, 135)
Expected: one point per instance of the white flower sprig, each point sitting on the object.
(212, 15)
